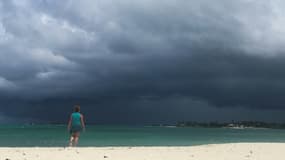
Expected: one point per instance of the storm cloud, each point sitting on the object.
(142, 62)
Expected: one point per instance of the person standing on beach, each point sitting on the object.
(75, 126)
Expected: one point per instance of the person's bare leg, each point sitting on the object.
(71, 141)
(76, 138)
(75, 141)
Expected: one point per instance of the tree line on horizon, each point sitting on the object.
(245, 124)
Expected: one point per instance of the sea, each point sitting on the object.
(106, 135)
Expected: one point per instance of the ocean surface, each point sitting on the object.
(57, 136)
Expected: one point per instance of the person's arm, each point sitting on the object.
(82, 122)
(69, 124)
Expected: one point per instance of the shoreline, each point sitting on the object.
(233, 151)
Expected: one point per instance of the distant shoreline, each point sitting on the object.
(233, 125)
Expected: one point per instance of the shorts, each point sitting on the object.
(75, 129)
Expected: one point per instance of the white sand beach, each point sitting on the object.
(232, 151)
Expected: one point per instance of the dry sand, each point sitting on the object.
(232, 151)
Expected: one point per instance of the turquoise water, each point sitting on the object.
(52, 135)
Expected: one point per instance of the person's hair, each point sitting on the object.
(76, 108)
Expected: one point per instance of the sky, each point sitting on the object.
(142, 62)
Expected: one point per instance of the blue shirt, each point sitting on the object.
(76, 119)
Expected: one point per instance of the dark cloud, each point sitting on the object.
(142, 62)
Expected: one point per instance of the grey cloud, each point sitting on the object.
(225, 55)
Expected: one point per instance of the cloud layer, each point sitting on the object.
(165, 59)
